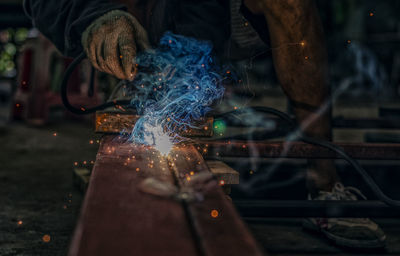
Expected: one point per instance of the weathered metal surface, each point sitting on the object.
(107, 122)
(118, 217)
(216, 221)
(370, 123)
(337, 122)
(224, 174)
(124, 121)
(368, 151)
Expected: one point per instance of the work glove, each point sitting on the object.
(112, 41)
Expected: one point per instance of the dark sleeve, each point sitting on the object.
(204, 19)
(258, 22)
(63, 21)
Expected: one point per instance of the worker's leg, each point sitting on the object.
(301, 65)
(300, 61)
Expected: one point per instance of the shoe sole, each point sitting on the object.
(370, 244)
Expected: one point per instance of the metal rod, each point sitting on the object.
(338, 122)
(368, 123)
(368, 151)
(304, 208)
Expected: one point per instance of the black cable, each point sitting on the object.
(268, 110)
(83, 110)
(367, 178)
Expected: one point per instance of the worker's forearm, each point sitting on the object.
(300, 59)
(64, 21)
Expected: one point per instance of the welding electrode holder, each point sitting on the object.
(83, 110)
(367, 178)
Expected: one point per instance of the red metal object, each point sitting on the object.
(367, 151)
(41, 68)
(118, 218)
(217, 222)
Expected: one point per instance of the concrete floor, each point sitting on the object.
(36, 192)
(36, 188)
(287, 237)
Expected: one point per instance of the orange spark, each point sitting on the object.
(214, 213)
(46, 238)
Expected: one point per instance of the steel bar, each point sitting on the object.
(218, 224)
(370, 123)
(126, 214)
(337, 122)
(299, 208)
(367, 151)
(117, 218)
(123, 121)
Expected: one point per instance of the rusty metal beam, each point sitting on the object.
(120, 217)
(216, 220)
(367, 151)
(111, 122)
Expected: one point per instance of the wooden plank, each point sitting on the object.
(216, 221)
(224, 174)
(117, 218)
(110, 122)
(81, 178)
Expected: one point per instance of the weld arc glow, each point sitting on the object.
(176, 85)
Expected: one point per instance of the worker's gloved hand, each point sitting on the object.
(112, 41)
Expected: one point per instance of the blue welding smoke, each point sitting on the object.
(176, 84)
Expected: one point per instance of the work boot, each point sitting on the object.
(348, 232)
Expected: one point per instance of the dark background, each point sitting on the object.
(37, 158)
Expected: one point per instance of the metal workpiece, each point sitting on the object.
(294, 149)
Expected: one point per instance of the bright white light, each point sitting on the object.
(155, 136)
